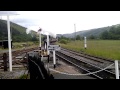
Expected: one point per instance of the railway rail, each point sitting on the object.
(102, 62)
(17, 57)
(19, 63)
(87, 63)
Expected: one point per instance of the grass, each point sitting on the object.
(25, 76)
(20, 45)
(103, 48)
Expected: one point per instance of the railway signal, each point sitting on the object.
(9, 13)
(47, 43)
(39, 31)
(47, 33)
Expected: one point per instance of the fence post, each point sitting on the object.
(54, 59)
(5, 61)
(116, 69)
(85, 43)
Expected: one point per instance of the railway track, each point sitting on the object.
(87, 63)
(16, 53)
(91, 59)
(17, 57)
(19, 64)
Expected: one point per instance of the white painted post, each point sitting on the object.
(45, 46)
(75, 30)
(40, 38)
(9, 43)
(85, 43)
(47, 43)
(39, 32)
(54, 58)
(116, 69)
(42, 58)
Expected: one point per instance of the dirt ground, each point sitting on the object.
(15, 74)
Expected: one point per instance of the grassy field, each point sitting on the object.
(103, 48)
(21, 45)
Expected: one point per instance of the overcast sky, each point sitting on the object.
(61, 22)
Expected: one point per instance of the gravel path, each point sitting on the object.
(15, 74)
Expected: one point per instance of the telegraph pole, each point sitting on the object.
(75, 31)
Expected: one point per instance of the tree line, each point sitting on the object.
(16, 35)
(112, 34)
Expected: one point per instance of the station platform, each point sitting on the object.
(60, 66)
(64, 67)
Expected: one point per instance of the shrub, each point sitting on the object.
(63, 41)
(23, 76)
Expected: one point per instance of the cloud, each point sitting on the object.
(61, 22)
(26, 21)
(8, 12)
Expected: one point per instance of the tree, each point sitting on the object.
(34, 38)
(91, 37)
(78, 37)
(105, 35)
(112, 34)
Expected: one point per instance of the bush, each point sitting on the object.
(23, 76)
(63, 41)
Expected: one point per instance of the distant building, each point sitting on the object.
(4, 44)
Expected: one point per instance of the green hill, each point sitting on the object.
(18, 32)
(109, 32)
